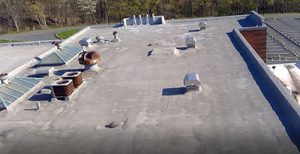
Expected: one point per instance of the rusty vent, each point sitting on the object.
(76, 77)
(62, 88)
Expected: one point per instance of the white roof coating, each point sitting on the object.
(143, 95)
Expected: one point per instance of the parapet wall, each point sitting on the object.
(279, 98)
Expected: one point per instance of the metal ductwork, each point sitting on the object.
(192, 82)
(76, 77)
(62, 88)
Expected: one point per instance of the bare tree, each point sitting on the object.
(38, 11)
(12, 9)
(88, 7)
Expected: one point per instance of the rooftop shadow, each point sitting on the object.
(173, 91)
(41, 96)
(284, 111)
(37, 75)
(181, 48)
(245, 22)
(194, 30)
(118, 25)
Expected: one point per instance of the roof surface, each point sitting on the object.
(13, 57)
(143, 94)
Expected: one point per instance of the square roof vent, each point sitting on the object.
(191, 81)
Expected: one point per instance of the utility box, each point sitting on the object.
(192, 82)
(44, 71)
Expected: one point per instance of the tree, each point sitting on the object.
(37, 10)
(12, 9)
(88, 7)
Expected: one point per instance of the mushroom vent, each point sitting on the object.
(191, 81)
(190, 41)
(202, 25)
(62, 88)
(3, 78)
(76, 77)
(89, 58)
(85, 42)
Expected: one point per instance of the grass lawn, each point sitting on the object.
(276, 15)
(8, 41)
(66, 34)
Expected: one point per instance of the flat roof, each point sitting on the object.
(142, 94)
(14, 57)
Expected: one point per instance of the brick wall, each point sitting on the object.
(257, 38)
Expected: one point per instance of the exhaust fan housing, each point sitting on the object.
(75, 76)
(62, 88)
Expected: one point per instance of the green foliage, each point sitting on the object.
(30, 14)
(66, 34)
(8, 41)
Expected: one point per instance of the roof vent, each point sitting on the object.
(86, 42)
(100, 39)
(190, 41)
(58, 44)
(192, 82)
(61, 89)
(116, 38)
(90, 60)
(75, 76)
(4, 78)
(44, 71)
(202, 25)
